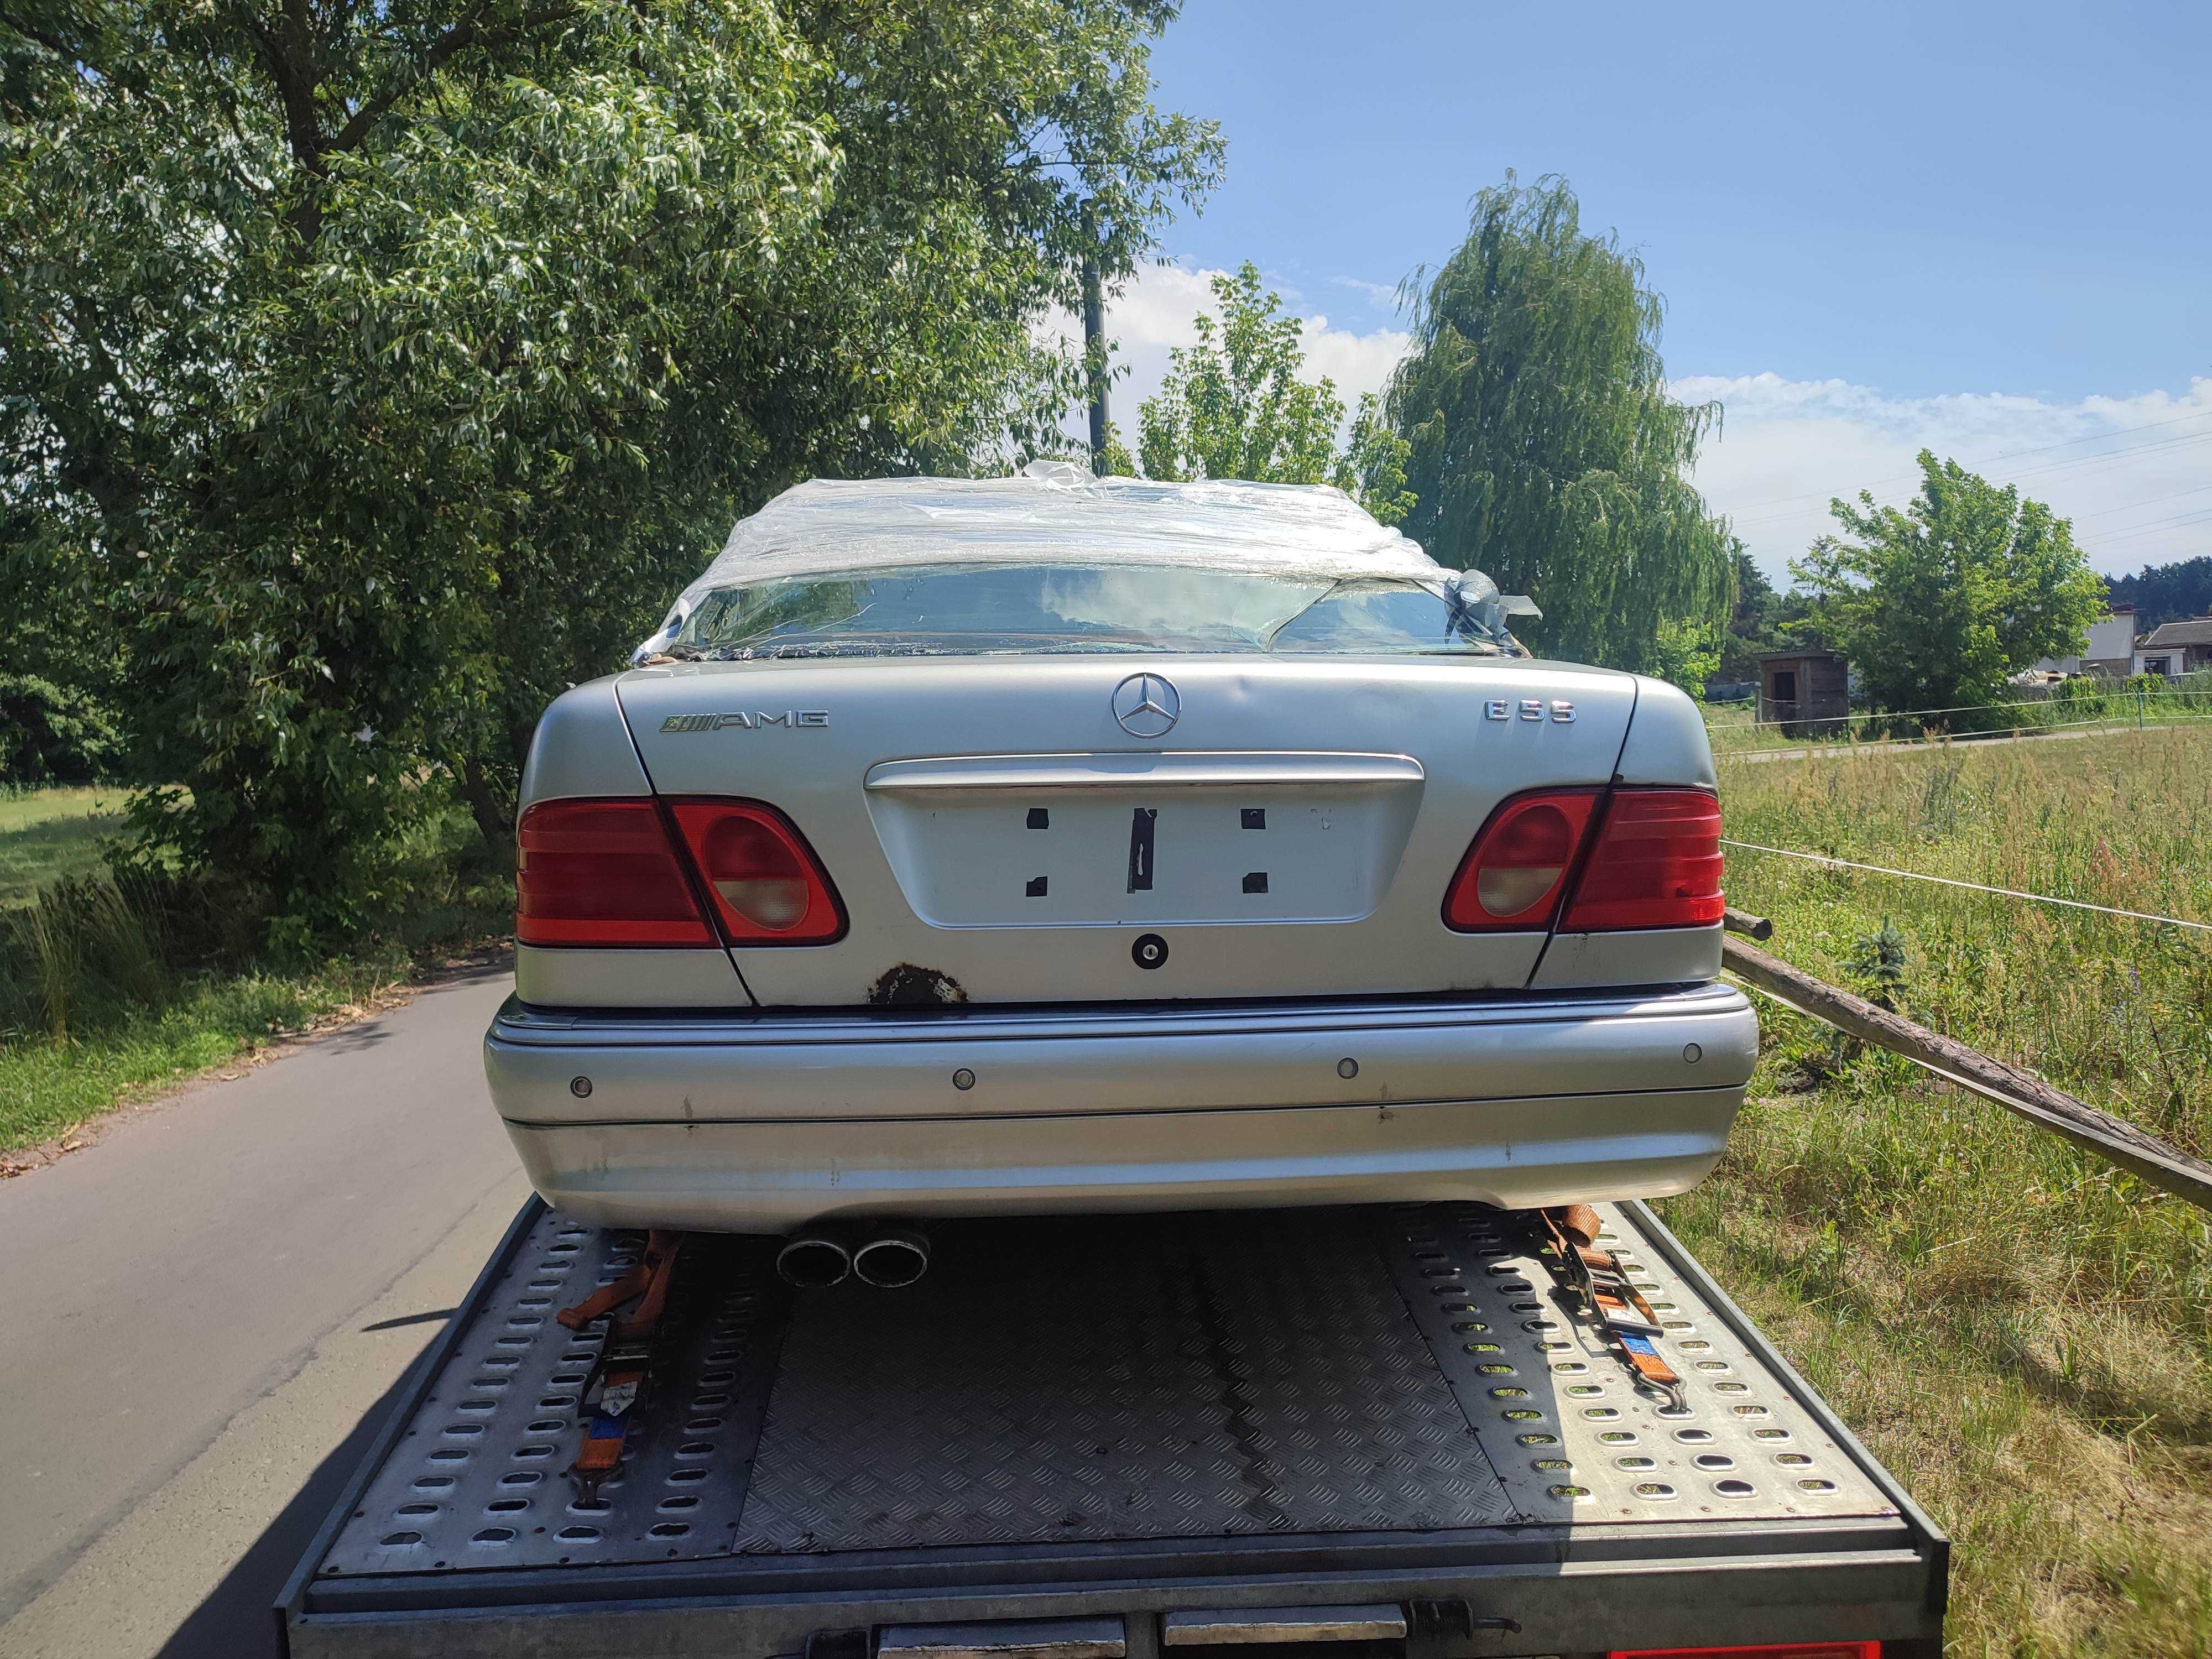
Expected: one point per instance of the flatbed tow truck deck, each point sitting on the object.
(1370, 1431)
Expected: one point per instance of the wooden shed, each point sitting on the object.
(1806, 693)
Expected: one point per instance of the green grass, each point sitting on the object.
(112, 988)
(47, 1087)
(46, 833)
(2022, 1335)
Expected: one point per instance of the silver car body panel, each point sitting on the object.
(583, 747)
(925, 889)
(565, 976)
(1666, 742)
(1657, 956)
(762, 1123)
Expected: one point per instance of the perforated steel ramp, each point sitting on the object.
(1574, 1436)
(1322, 1373)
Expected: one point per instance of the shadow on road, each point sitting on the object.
(434, 1316)
(235, 1622)
(368, 1034)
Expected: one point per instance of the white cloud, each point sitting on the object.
(1156, 310)
(1380, 294)
(2134, 474)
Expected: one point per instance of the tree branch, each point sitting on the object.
(288, 55)
(440, 52)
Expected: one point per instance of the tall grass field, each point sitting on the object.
(2021, 1334)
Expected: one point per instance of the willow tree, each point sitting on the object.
(1543, 447)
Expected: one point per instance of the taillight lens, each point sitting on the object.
(767, 886)
(601, 873)
(1768, 1651)
(1511, 877)
(1657, 864)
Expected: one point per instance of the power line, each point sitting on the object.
(2008, 703)
(2167, 721)
(2159, 527)
(2130, 506)
(1971, 886)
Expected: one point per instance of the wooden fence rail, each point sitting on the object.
(2137, 1151)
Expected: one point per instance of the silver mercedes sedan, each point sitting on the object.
(1052, 843)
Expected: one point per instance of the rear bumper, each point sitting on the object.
(760, 1122)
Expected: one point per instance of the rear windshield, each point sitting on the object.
(1035, 609)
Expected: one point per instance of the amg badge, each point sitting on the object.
(753, 722)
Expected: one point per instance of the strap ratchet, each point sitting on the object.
(619, 1375)
(1617, 1306)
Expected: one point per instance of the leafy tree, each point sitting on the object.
(2164, 593)
(1759, 620)
(1233, 406)
(1935, 603)
(60, 688)
(1543, 447)
(1687, 654)
(54, 732)
(377, 368)
(1372, 468)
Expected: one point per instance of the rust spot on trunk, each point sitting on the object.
(908, 986)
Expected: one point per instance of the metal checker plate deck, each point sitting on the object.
(1574, 1436)
(1117, 1377)
(1113, 1378)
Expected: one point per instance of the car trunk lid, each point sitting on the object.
(1000, 830)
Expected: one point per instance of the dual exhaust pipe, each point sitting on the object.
(815, 1258)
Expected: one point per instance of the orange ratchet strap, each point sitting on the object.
(1614, 1302)
(618, 1378)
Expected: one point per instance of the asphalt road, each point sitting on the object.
(206, 1313)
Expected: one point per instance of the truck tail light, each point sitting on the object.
(602, 872)
(1657, 864)
(1511, 877)
(1646, 858)
(1765, 1650)
(766, 884)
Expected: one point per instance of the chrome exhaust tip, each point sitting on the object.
(813, 1260)
(892, 1259)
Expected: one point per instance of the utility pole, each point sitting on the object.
(1094, 360)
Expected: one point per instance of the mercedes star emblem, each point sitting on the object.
(1147, 705)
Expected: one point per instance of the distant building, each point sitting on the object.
(1806, 693)
(2110, 651)
(2175, 649)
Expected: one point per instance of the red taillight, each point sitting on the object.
(1511, 877)
(766, 884)
(1768, 1651)
(1657, 864)
(601, 873)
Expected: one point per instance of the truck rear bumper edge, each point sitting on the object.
(1561, 1606)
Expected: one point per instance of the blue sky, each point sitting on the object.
(1985, 228)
